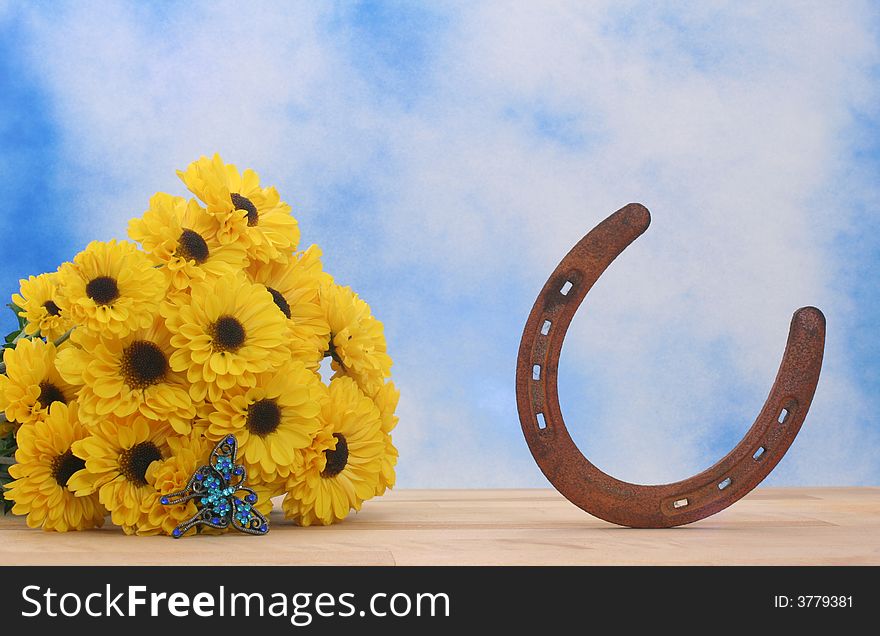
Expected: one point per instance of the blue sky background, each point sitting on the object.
(445, 157)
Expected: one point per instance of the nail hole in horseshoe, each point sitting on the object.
(680, 503)
(545, 328)
(783, 416)
(759, 453)
(566, 288)
(536, 372)
(724, 483)
(542, 424)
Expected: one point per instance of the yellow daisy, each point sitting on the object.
(272, 421)
(341, 469)
(294, 288)
(45, 465)
(386, 400)
(118, 454)
(169, 476)
(244, 209)
(226, 334)
(123, 376)
(38, 302)
(111, 288)
(357, 340)
(32, 382)
(182, 236)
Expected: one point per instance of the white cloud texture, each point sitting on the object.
(446, 175)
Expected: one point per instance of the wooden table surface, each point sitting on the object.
(499, 527)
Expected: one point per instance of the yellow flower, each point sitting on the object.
(169, 476)
(388, 477)
(38, 302)
(226, 334)
(357, 340)
(123, 376)
(111, 288)
(341, 469)
(245, 210)
(386, 400)
(118, 455)
(294, 288)
(32, 382)
(182, 236)
(43, 472)
(272, 421)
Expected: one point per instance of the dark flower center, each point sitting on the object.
(103, 290)
(281, 301)
(263, 417)
(243, 203)
(143, 364)
(49, 394)
(337, 459)
(192, 247)
(134, 462)
(229, 334)
(64, 466)
(51, 308)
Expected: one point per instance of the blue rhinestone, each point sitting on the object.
(215, 520)
(164, 501)
(251, 498)
(239, 470)
(264, 528)
(199, 476)
(230, 439)
(176, 532)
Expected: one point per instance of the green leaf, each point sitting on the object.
(22, 321)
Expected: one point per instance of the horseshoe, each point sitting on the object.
(620, 502)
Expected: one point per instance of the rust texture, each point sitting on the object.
(620, 502)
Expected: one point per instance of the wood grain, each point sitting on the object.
(499, 527)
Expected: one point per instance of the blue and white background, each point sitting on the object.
(447, 155)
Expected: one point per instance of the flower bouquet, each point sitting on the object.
(134, 360)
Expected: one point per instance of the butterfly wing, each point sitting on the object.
(245, 517)
(223, 456)
(196, 487)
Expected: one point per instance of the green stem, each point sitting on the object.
(64, 338)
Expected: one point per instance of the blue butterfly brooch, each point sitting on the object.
(214, 488)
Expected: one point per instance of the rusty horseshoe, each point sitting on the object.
(654, 506)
